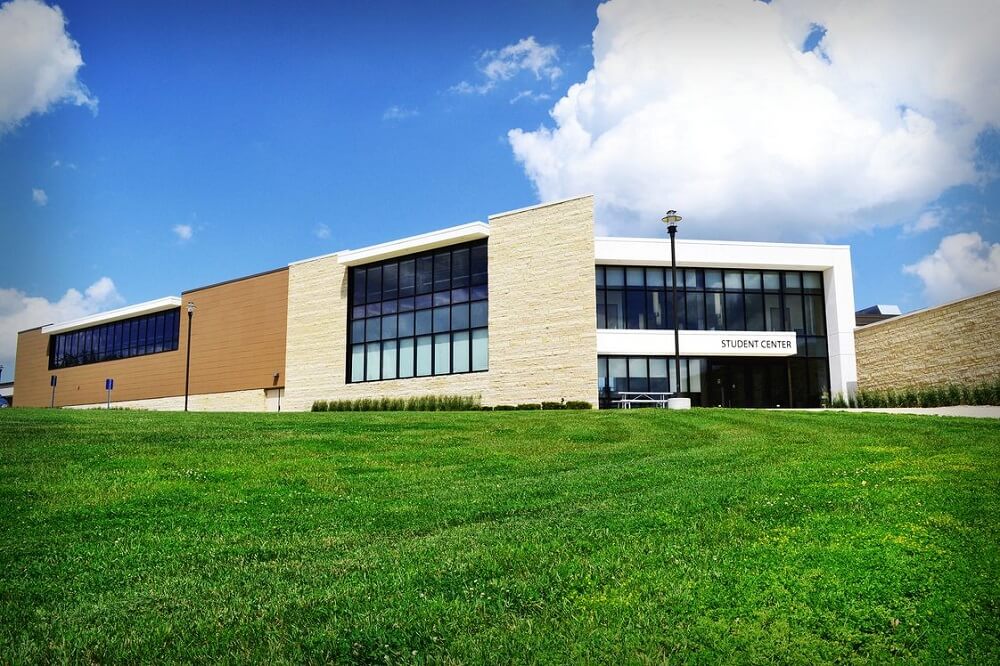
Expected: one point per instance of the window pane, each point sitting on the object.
(772, 313)
(815, 346)
(794, 320)
(714, 317)
(754, 310)
(751, 280)
(389, 307)
(633, 277)
(423, 356)
(406, 357)
(656, 311)
(425, 275)
(638, 379)
(460, 352)
(792, 280)
(358, 275)
(423, 301)
(460, 295)
(734, 312)
(617, 375)
(615, 276)
(479, 292)
(696, 371)
(654, 277)
(372, 328)
(357, 363)
(734, 280)
(459, 316)
(815, 321)
(374, 279)
(460, 268)
(658, 375)
(142, 338)
(373, 354)
(694, 279)
(405, 325)
(389, 360)
(441, 319)
(812, 281)
(442, 353)
(478, 260)
(406, 304)
(480, 349)
(390, 281)
(479, 313)
(407, 277)
(771, 281)
(615, 308)
(358, 312)
(695, 312)
(358, 330)
(373, 309)
(442, 271)
(636, 308)
(423, 320)
(713, 279)
(388, 327)
(599, 276)
(442, 297)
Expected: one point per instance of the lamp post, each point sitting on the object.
(671, 219)
(187, 368)
(1, 371)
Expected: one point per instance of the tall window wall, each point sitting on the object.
(138, 336)
(420, 315)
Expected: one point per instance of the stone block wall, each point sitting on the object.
(955, 343)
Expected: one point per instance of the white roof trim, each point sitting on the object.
(149, 307)
(429, 241)
(690, 241)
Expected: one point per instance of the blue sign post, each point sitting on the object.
(52, 383)
(108, 385)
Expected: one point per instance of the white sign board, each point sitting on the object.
(696, 343)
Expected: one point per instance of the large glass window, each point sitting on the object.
(421, 315)
(139, 336)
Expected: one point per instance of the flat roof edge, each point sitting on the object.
(695, 241)
(543, 204)
(146, 307)
(927, 309)
(239, 279)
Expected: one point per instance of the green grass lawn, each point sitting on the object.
(641, 536)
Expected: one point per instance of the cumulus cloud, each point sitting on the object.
(322, 231)
(19, 311)
(39, 62)
(184, 232)
(716, 109)
(526, 55)
(963, 264)
(39, 196)
(395, 112)
(928, 220)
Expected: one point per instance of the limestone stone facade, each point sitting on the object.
(542, 336)
(230, 401)
(954, 343)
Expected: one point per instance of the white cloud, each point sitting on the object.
(19, 311)
(322, 231)
(184, 232)
(529, 95)
(399, 113)
(928, 220)
(963, 264)
(526, 55)
(39, 62)
(712, 108)
(39, 196)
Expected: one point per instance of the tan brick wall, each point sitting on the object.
(543, 322)
(543, 340)
(232, 401)
(956, 343)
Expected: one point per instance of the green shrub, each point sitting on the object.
(578, 404)
(319, 406)
(553, 405)
(425, 403)
(504, 408)
(486, 408)
(529, 405)
(983, 393)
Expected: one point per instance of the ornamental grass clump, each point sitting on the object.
(423, 403)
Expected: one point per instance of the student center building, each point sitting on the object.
(528, 307)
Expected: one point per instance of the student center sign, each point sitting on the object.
(526, 307)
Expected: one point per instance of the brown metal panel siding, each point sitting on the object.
(238, 334)
(153, 376)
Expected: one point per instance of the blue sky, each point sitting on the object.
(203, 141)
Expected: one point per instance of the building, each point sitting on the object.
(7, 393)
(527, 307)
(953, 343)
(875, 313)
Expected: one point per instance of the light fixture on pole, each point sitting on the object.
(187, 368)
(672, 219)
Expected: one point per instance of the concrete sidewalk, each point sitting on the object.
(973, 411)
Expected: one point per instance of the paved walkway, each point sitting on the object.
(974, 411)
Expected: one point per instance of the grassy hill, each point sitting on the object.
(711, 535)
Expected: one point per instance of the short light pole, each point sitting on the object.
(671, 219)
(187, 368)
(1, 371)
